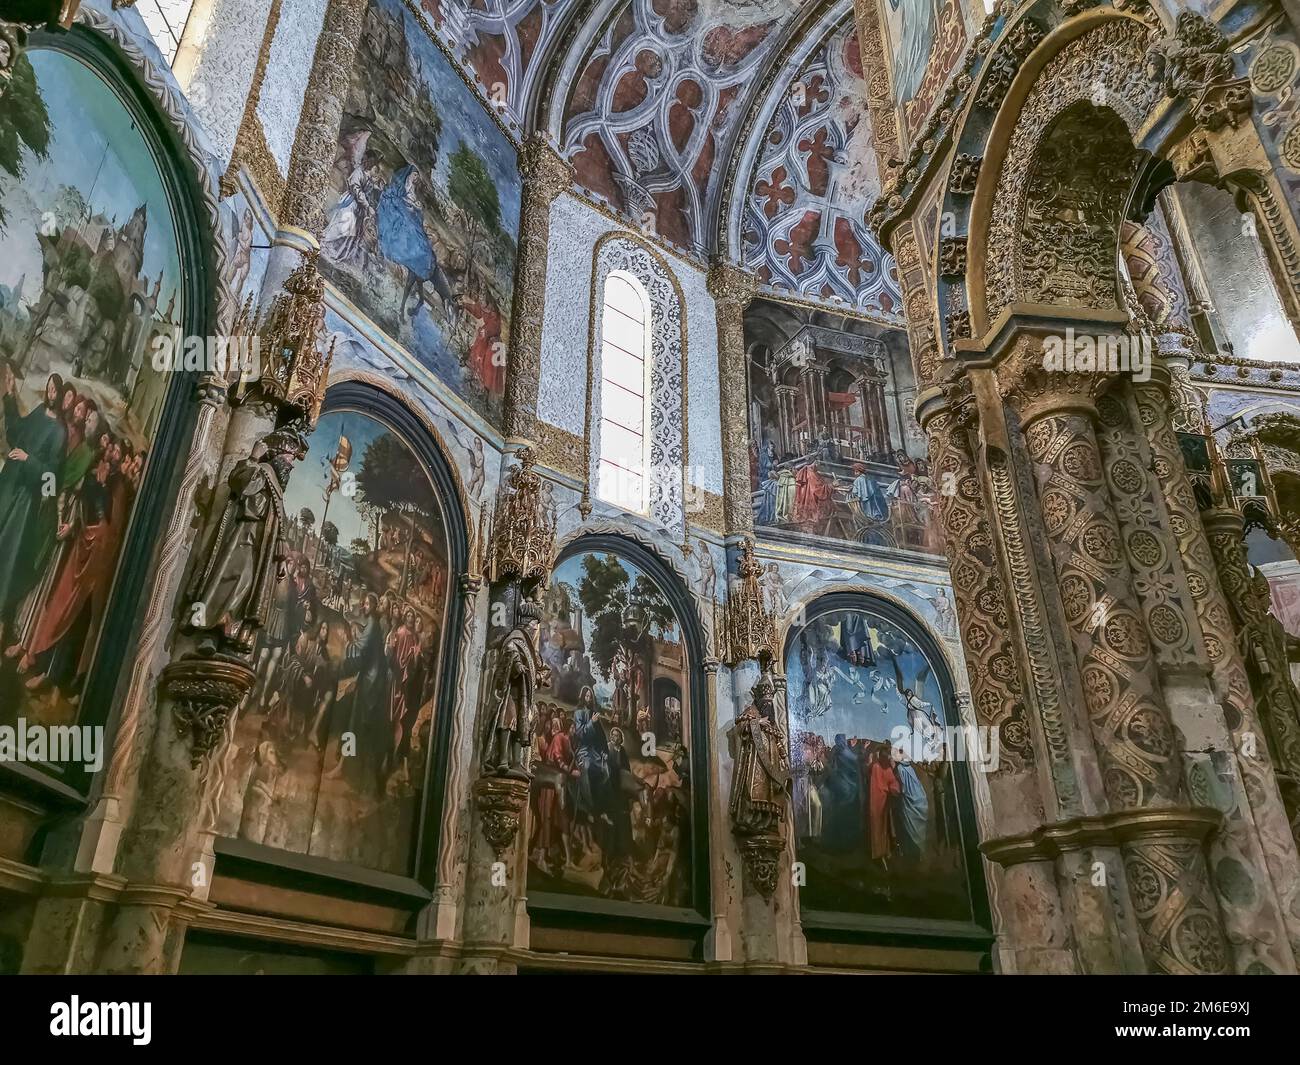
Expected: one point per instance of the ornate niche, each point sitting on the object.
(102, 266)
(882, 795)
(619, 792)
(336, 746)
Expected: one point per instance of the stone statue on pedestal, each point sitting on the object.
(516, 672)
(761, 781)
(231, 595)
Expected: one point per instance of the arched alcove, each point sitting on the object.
(338, 750)
(619, 801)
(883, 808)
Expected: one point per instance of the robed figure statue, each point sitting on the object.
(761, 781)
(516, 672)
(231, 595)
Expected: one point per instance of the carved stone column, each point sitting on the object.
(1220, 758)
(316, 142)
(239, 560)
(1019, 689)
(545, 176)
(1137, 749)
(519, 565)
(1262, 642)
(759, 803)
(732, 289)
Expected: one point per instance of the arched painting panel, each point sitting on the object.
(332, 747)
(614, 807)
(100, 260)
(881, 794)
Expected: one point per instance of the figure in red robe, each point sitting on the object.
(403, 649)
(814, 501)
(884, 789)
(483, 359)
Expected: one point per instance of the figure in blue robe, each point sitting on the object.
(842, 798)
(402, 236)
(911, 811)
(36, 444)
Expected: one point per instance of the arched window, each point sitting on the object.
(624, 384)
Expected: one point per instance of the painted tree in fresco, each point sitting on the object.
(472, 190)
(624, 613)
(391, 482)
(24, 121)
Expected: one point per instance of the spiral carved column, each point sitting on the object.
(1137, 749)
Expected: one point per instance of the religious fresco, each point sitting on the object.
(804, 227)
(835, 452)
(926, 39)
(657, 102)
(331, 745)
(611, 793)
(875, 810)
(423, 208)
(90, 277)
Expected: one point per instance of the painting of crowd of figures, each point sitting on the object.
(611, 794)
(331, 745)
(835, 450)
(89, 277)
(875, 812)
(423, 208)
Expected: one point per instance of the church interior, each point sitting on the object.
(848, 516)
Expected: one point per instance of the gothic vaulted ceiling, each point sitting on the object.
(724, 126)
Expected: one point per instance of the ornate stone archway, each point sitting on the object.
(1078, 554)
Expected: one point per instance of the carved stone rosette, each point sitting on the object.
(501, 802)
(204, 692)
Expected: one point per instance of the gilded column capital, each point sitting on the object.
(545, 172)
(731, 287)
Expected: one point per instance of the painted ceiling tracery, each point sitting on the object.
(504, 44)
(649, 99)
(804, 225)
(655, 108)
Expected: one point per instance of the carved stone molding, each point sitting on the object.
(1195, 65)
(762, 858)
(203, 693)
(1104, 830)
(501, 802)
